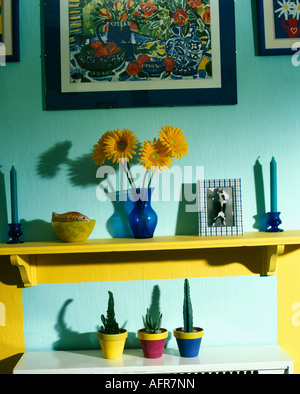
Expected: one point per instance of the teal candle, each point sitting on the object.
(273, 176)
(14, 195)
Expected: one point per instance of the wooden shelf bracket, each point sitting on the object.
(27, 267)
(270, 254)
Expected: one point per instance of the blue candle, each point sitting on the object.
(273, 176)
(14, 195)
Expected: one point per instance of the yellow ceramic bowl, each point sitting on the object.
(74, 231)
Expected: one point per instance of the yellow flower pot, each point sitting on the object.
(112, 345)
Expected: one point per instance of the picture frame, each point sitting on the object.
(70, 32)
(9, 30)
(220, 207)
(279, 27)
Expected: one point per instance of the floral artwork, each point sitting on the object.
(139, 40)
(287, 18)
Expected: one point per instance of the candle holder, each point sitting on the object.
(274, 221)
(15, 233)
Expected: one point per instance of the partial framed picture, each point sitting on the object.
(139, 53)
(220, 207)
(9, 31)
(279, 26)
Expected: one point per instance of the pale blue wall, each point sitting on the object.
(226, 140)
(232, 311)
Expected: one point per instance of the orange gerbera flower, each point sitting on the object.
(99, 155)
(174, 140)
(120, 145)
(155, 156)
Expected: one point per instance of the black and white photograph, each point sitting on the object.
(220, 207)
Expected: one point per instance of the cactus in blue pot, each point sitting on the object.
(187, 308)
(188, 337)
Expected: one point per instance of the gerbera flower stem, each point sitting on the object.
(149, 184)
(128, 173)
(130, 177)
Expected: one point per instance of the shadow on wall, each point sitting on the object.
(69, 339)
(81, 172)
(261, 217)
(72, 340)
(187, 217)
(3, 210)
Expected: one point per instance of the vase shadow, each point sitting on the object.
(117, 225)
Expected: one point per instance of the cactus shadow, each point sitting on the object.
(69, 339)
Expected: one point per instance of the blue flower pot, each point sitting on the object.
(189, 342)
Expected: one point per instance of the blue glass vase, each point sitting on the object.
(143, 218)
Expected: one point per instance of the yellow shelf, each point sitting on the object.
(176, 242)
(26, 256)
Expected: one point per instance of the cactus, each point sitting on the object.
(152, 325)
(187, 308)
(110, 326)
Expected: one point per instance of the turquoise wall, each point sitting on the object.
(52, 155)
(230, 310)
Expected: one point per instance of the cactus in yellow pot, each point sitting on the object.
(111, 337)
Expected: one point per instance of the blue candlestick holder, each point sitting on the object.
(15, 233)
(274, 221)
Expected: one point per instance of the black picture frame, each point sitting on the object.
(55, 99)
(12, 30)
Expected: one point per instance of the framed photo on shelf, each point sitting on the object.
(220, 207)
(139, 53)
(9, 31)
(279, 26)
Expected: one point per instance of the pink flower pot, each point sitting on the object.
(153, 344)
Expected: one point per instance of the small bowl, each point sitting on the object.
(74, 231)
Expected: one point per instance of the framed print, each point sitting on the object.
(279, 26)
(9, 30)
(139, 53)
(220, 207)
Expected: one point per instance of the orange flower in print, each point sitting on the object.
(206, 15)
(105, 13)
(195, 3)
(180, 16)
(148, 8)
